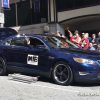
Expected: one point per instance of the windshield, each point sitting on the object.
(58, 42)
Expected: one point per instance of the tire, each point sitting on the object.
(62, 74)
(2, 67)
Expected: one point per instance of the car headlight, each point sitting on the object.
(85, 61)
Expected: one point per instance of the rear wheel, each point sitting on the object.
(2, 67)
(62, 73)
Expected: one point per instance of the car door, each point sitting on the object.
(23, 57)
(16, 52)
(38, 55)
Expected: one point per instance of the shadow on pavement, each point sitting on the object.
(86, 84)
(47, 80)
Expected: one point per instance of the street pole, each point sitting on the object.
(16, 13)
(31, 10)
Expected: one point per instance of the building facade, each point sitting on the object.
(80, 14)
(26, 12)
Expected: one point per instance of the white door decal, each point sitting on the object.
(32, 59)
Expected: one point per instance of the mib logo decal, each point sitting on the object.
(32, 60)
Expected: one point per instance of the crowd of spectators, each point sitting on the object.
(83, 40)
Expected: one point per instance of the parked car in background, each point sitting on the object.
(6, 32)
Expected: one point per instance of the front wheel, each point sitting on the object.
(62, 73)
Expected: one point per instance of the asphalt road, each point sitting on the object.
(46, 90)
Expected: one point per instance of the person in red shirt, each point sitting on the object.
(74, 38)
(85, 41)
(77, 39)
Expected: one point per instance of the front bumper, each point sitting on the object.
(87, 73)
(92, 76)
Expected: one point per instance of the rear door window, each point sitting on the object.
(17, 41)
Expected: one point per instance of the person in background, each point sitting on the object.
(93, 40)
(98, 39)
(85, 44)
(71, 36)
(77, 38)
(58, 33)
(63, 36)
(74, 38)
(91, 47)
(98, 48)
